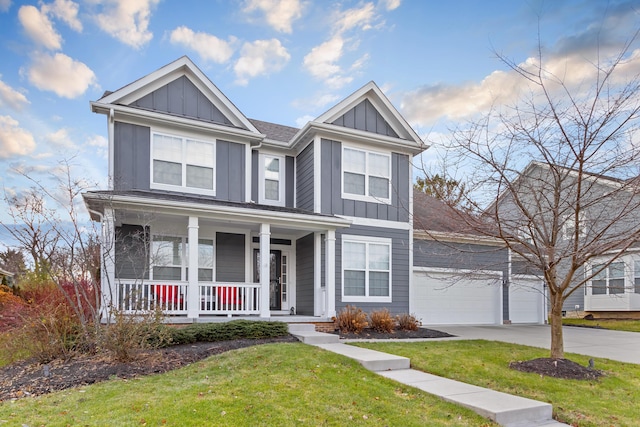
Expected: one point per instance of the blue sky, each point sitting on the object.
(284, 61)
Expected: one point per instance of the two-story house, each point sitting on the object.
(211, 213)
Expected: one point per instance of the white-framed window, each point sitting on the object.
(568, 226)
(608, 280)
(183, 163)
(170, 258)
(366, 175)
(636, 276)
(366, 269)
(272, 176)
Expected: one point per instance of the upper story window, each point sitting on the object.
(366, 269)
(366, 175)
(182, 163)
(608, 281)
(636, 276)
(569, 226)
(271, 176)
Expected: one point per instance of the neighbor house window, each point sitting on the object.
(608, 281)
(636, 276)
(366, 269)
(170, 258)
(569, 226)
(271, 175)
(366, 175)
(184, 163)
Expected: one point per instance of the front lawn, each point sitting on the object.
(610, 401)
(613, 324)
(271, 384)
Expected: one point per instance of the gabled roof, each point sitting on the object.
(183, 66)
(403, 134)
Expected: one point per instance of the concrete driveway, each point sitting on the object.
(614, 345)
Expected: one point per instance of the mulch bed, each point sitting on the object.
(27, 378)
(557, 368)
(369, 333)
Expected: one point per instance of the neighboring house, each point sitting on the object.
(286, 220)
(462, 277)
(6, 277)
(607, 220)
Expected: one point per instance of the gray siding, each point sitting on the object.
(230, 260)
(131, 252)
(255, 159)
(304, 179)
(304, 275)
(505, 302)
(182, 98)
(431, 253)
(230, 171)
(132, 154)
(400, 268)
(364, 116)
(333, 203)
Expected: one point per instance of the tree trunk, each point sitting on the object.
(557, 342)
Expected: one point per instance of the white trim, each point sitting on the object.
(380, 223)
(248, 174)
(330, 273)
(411, 243)
(460, 271)
(193, 294)
(368, 173)
(111, 142)
(265, 266)
(367, 240)
(317, 174)
(262, 178)
(317, 276)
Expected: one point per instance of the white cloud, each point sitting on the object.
(280, 14)
(390, 4)
(11, 97)
(301, 121)
(65, 10)
(322, 62)
(60, 139)
(127, 20)
(317, 101)
(14, 141)
(60, 74)
(362, 17)
(98, 141)
(39, 28)
(4, 5)
(258, 58)
(209, 47)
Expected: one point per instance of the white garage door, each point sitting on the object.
(445, 298)
(526, 300)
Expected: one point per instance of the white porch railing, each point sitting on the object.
(229, 298)
(215, 298)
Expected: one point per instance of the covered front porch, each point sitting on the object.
(250, 261)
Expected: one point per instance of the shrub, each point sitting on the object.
(351, 319)
(11, 307)
(381, 321)
(236, 329)
(130, 334)
(407, 322)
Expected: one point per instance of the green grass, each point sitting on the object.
(613, 324)
(271, 384)
(610, 401)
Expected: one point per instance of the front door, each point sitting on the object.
(275, 276)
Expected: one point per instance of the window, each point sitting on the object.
(182, 162)
(366, 269)
(170, 258)
(636, 276)
(568, 226)
(366, 175)
(271, 175)
(608, 281)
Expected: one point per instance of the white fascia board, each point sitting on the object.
(457, 238)
(227, 213)
(132, 114)
(380, 223)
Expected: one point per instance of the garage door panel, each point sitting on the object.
(441, 298)
(526, 301)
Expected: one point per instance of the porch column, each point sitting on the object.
(330, 272)
(108, 274)
(193, 293)
(265, 266)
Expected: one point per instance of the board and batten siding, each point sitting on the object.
(304, 179)
(182, 98)
(305, 275)
(364, 116)
(230, 171)
(331, 181)
(230, 257)
(400, 268)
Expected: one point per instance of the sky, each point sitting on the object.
(282, 61)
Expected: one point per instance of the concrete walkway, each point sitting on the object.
(614, 345)
(505, 409)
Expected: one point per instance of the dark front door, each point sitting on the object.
(275, 272)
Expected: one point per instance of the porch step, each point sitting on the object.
(306, 333)
(371, 359)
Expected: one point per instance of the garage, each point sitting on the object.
(457, 297)
(526, 300)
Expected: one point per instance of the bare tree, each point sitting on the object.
(559, 170)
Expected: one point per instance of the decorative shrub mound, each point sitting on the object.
(381, 321)
(407, 322)
(236, 329)
(351, 319)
